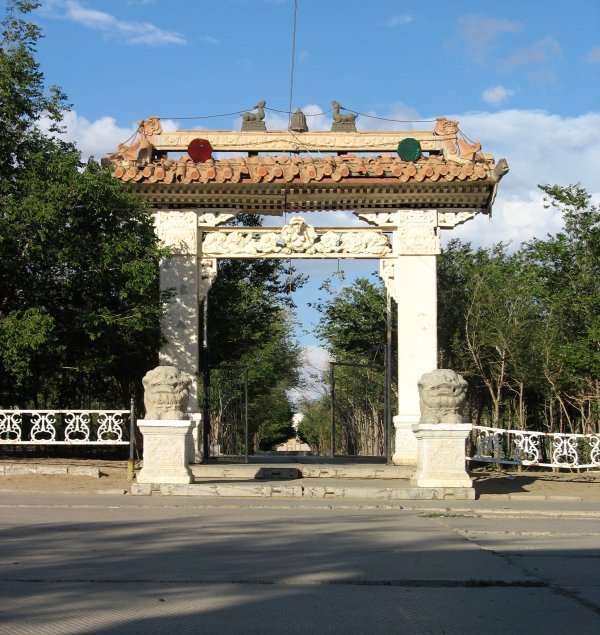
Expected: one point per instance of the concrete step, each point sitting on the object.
(398, 489)
(290, 471)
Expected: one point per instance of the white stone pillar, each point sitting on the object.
(416, 244)
(180, 324)
(166, 451)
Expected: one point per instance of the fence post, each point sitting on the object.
(131, 463)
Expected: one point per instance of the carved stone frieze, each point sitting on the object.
(417, 233)
(178, 230)
(380, 219)
(297, 238)
(208, 274)
(387, 271)
(285, 141)
(448, 220)
(212, 219)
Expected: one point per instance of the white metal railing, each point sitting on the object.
(546, 449)
(64, 427)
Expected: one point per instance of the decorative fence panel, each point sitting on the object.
(522, 447)
(65, 427)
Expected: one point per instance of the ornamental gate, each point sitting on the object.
(403, 188)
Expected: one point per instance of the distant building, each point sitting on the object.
(293, 445)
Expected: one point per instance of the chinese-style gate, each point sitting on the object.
(405, 202)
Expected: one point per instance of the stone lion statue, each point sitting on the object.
(166, 393)
(442, 394)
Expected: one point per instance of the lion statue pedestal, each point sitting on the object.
(166, 428)
(441, 434)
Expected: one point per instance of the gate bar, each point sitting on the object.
(246, 410)
(332, 390)
(388, 380)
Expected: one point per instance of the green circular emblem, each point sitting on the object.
(409, 149)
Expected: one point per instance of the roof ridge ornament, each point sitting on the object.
(255, 120)
(298, 123)
(345, 122)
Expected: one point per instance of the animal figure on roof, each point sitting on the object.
(255, 116)
(339, 118)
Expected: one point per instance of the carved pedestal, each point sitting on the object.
(166, 451)
(441, 456)
(405, 442)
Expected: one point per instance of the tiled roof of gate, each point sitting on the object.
(287, 169)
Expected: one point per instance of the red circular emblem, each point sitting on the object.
(200, 150)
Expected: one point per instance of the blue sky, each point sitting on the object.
(522, 77)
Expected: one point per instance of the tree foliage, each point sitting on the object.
(524, 328)
(353, 321)
(250, 322)
(353, 326)
(79, 299)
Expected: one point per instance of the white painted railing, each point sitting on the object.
(64, 427)
(521, 447)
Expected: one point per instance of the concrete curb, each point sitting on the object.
(267, 490)
(14, 469)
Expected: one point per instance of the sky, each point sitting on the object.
(521, 77)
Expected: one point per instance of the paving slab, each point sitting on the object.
(234, 609)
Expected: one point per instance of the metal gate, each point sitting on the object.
(226, 412)
(360, 410)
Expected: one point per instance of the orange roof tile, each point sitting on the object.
(287, 169)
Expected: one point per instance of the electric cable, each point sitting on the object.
(293, 63)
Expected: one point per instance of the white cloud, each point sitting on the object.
(101, 136)
(540, 52)
(593, 57)
(315, 361)
(130, 32)
(514, 220)
(398, 20)
(540, 148)
(478, 33)
(497, 95)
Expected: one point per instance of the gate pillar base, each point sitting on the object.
(441, 456)
(166, 451)
(195, 438)
(405, 448)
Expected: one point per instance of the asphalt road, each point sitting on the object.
(102, 564)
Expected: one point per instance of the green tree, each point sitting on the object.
(353, 324)
(250, 322)
(568, 268)
(353, 321)
(524, 328)
(79, 299)
(315, 427)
